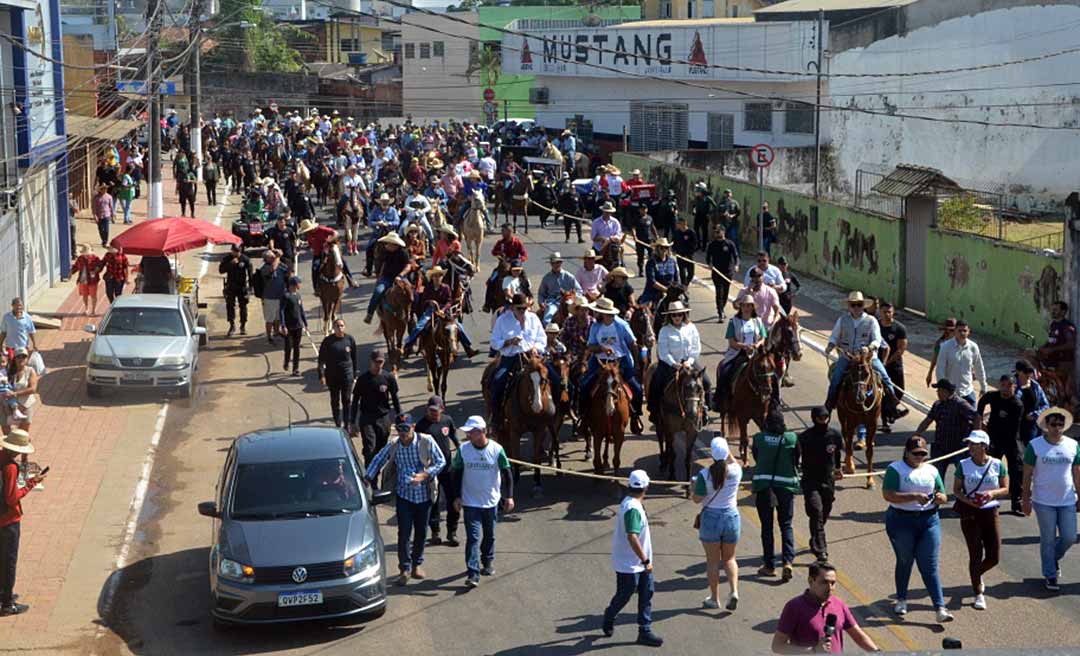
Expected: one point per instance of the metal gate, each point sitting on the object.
(721, 131)
(659, 126)
(918, 219)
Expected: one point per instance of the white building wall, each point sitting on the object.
(1037, 166)
(437, 86)
(606, 101)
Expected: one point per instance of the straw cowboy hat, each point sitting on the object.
(589, 255)
(17, 440)
(412, 228)
(604, 306)
(613, 170)
(553, 329)
(607, 208)
(435, 163)
(384, 198)
(306, 226)
(392, 238)
(619, 272)
(449, 229)
(855, 297)
(677, 307)
(743, 299)
(475, 175)
(555, 257)
(580, 302)
(662, 243)
(435, 271)
(1055, 411)
(84, 249)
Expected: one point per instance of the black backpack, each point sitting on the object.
(257, 282)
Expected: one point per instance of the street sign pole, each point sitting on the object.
(154, 197)
(761, 156)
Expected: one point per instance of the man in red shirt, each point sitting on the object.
(14, 444)
(508, 248)
(804, 623)
(316, 236)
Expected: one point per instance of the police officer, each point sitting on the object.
(819, 450)
(375, 393)
(338, 364)
(236, 267)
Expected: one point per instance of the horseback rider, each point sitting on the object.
(591, 276)
(515, 333)
(610, 338)
(417, 210)
(618, 289)
(437, 297)
(508, 248)
(316, 236)
(661, 272)
(606, 230)
(385, 214)
(746, 332)
(554, 285)
(396, 264)
(555, 349)
(448, 243)
(678, 348)
(858, 332)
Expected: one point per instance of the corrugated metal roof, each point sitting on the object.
(812, 6)
(104, 129)
(908, 180)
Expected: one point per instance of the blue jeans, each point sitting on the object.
(625, 587)
(126, 204)
(916, 539)
(479, 521)
(412, 527)
(377, 296)
(629, 375)
(841, 368)
(550, 310)
(1057, 532)
(422, 323)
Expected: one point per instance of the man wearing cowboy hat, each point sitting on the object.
(554, 285)
(516, 332)
(857, 332)
(606, 229)
(437, 297)
(417, 209)
(236, 267)
(383, 217)
(15, 444)
(396, 265)
(591, 276)
(611, 338)
(619, 291)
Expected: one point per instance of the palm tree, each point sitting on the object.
(487, 61)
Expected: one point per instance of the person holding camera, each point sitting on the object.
(816, 620)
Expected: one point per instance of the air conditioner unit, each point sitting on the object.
(539, 96)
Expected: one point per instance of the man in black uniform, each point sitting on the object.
(723, 255)
(1003, 426)
(236, 267)
(685, 245)
(665, 212)
(644, 234)
(440, 426)
(282, 238)
(374, 393)
(338, 364)
(893, 335)
(293, 322)
(819, 450)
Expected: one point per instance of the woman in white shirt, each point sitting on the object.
(745, 332)
(980, 481)
(678, 347)
(717, 489)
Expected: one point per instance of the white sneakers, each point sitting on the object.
(943, 615)
(710, 603)
(732, 602)
(900, 607)
(980, 602)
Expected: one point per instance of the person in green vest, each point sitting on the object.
(775, 483)
(126, 192)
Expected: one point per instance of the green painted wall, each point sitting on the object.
(996, 287)
(513, 90)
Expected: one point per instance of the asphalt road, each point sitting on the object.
(554, 576)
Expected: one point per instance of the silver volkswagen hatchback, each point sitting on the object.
(295, 533)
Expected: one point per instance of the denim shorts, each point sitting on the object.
(720, 525)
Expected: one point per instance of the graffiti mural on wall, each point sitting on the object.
(793, 227)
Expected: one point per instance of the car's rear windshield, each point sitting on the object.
(158, 322)
(272, 490)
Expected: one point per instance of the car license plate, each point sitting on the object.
(137, 376)
(286, 599)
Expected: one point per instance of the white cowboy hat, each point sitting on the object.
(701, 185)
(306, 226)
(435, 271)
(604, 306)
(17, 440)
(662, 243)
(383, 198)
(607, 208)
(620, 272)
(855, 297)
(448, 229)
(553, 328)
(589, 254)
(392, 238)
(677, 307)
(743, 299)
(1054, 410)
(581, 302)
(412, 228)
(635, 172)
(555, 257)
(613, 170)
(84, 249)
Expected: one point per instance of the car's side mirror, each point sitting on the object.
(90, 328)
(379, 497)
(199, 330)
(209, 509)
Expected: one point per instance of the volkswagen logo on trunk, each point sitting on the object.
(299, 574)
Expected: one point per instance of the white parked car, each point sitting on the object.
(148, 341)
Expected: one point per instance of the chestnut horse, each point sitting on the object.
(858, 402)
(527, 408)
(749, 397)
(683, 406)
(438, 346)
(641, 325)
(609, 414)
(331, 288)
(394, 319)
(519, 201)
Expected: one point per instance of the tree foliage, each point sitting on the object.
(260, 44)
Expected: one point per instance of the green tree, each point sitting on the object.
(487, 61)
(253, 38)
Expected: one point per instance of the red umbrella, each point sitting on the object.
(171, 235)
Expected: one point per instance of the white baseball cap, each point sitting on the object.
(978, 437)
(639, 480)
(475, 422)
(719, 449)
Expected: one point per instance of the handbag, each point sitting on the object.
(962, 508)
(697, 518)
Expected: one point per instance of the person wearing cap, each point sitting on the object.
(1051, 480)
(397, 264)
(775, 484)
(483, 481)
(437, 297)
(339, 361)
(606, 229)
(374, 395)
(914, 490)
(804, 623)
(769, 228)
(554, 285)
(611, 338)
(857, 332)
(591, 276)
(282, 238)
(678, 348)
(516, 332)
(954, 419)
(722, 256)
(236, 267)
(948, 329)
(766, 300)
(293, 324)
(684, 245)
(413, 462)
(437, 423)
(15, 445)
(1003, 427)
(819, 449)
(717, 488)
(631, 558)
(703, 208)
(87, 270)
(1031, 394)
(270, 283)
(980, 481)
(961, 362)
(619, 291)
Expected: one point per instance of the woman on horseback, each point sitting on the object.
(660, 273)
(575, 336)
(746, 332)
(437, 297)
(678, 347)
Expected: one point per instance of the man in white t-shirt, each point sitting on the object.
(482, 481)
(631, 558)
(1051, 478)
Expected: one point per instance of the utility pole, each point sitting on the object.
(1071, 289)
(817, 105)
(195, 82)
(155, 201)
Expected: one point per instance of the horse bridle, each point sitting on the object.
(757, 374)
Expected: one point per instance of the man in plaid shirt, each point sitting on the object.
(954, 419)
(414, 460)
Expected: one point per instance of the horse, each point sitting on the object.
(519, 200)
(438, 345)
(563, 407)
(331, 288)
(527, 408)
(502, 194)
(321, 177)
(859, 402)
(565, 301)
(641, 324)
(611, 255)
(683, 407)
(748, 398)
(472, 228)
(351, 218)
(394, 318)
(785, 344)
(609, 414)
(438, 217)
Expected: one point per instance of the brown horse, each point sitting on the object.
(561, 363)
(527, 408)
(563, 312)
(519, 201)
(609, 414)
(858, 402)
(683, 407)
(785, 343)
(438, 345)
(502, 196)
(331, 288)
(394, 318)
(750, 395)
(641, 324)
